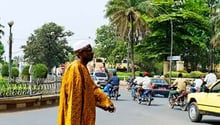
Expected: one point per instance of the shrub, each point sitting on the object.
(196, 74)
(40, 71)
(14, 73)
(4, 71)
(25, 73)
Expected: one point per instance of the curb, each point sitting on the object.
(12, 104)
(30, 102)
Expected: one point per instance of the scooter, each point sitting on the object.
(146, 96)
(133, 92)
(112, 91)
(178, 100)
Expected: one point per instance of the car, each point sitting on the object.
(94, 79)
(160, 86)
(204, 103)
(101, 78)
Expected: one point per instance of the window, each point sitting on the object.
(216, 88)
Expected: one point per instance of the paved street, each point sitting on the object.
(128, 113)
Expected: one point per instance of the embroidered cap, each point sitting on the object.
(80, 44)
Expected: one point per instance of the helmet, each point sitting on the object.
(146, 73)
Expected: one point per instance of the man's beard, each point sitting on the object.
(88, 59)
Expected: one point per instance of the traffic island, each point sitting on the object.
(30, 102)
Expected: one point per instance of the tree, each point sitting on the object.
(1, 45)
(215, 34)
(1, 31)
(190, 31)
(128, 18)
(48, 45)
(108, 45)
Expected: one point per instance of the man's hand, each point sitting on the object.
(111, 108)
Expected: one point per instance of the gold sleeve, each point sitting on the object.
(102, 100)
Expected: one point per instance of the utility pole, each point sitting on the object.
(10, 24)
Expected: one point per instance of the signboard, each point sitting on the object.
(173, 58)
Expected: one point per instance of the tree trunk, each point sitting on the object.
(132, 50)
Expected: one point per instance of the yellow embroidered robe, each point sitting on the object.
(79, 97)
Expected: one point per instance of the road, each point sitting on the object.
(128, 113)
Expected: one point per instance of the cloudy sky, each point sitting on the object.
(82, 17)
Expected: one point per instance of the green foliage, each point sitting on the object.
(14, 72)
(4, 70)
(196, 74)
(192, 74)
(191, 32)
(25, 73)
(1, 45)
(40, 71)
(126, 16)
(109, 46)
(48, 45)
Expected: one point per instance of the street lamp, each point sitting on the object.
(10, 24)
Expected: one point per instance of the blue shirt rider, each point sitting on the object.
(113, 81)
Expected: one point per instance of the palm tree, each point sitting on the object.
(215, 32)
(215, 20)
(128, 16)
(1, 45)
(1, 31)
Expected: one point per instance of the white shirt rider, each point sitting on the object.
(146, 83)
(210, 79)
(139, 80)
(198, 82)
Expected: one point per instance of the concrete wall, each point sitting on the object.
(24, 103)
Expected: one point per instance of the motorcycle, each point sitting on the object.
(146, 96)
(133, 92)
(112, 91)
(178, 100)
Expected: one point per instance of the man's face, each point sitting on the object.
(87, 53)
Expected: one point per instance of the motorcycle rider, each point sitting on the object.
(196, 84)
(138, 81)
(113, 83)
(146, 87)
(130, 82)
(181, 85)
(210, 78)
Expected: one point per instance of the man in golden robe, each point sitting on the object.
(79, 95)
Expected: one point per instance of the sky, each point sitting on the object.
(82, 17)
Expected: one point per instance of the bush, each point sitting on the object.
(196, 74)
(14, 73)
(25, 73)
(4, 71)
(40, 71)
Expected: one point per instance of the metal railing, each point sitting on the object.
(25, 88)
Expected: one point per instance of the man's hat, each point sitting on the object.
(80, 44)
(146, 73)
